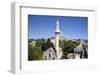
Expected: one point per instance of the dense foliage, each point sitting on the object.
(34, 53)
(44, 44)
(67, 47)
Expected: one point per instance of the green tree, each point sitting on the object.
(47, 45)
(39, 42)
(34, 53)
(68, 47)
(62, 44)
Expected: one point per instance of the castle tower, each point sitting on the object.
(57, 35)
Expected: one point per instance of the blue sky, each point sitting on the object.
(40, 26)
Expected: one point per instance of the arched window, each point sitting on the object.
(53, 58)
(45, 57)
(49, 55)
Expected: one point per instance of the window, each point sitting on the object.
(49, 55)
(50, 50)
(53, 58)
(45, 57)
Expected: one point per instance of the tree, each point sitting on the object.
(47, 45)
(67, 47)
(62, 44)
(85, 51)
(39, 42)
(30, 40)
(34, 53)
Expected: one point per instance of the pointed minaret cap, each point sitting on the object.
(57, 22)
(57, 27)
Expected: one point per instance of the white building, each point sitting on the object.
(51, 54)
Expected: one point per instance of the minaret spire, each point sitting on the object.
(57, 26)
(57, 35)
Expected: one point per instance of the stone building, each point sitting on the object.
(49, 54)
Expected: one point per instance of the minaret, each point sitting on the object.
(57, 35)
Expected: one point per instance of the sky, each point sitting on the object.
(40, 26)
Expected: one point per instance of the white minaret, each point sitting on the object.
(57, 35)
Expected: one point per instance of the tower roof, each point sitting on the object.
(57, 22)
(57, 26)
